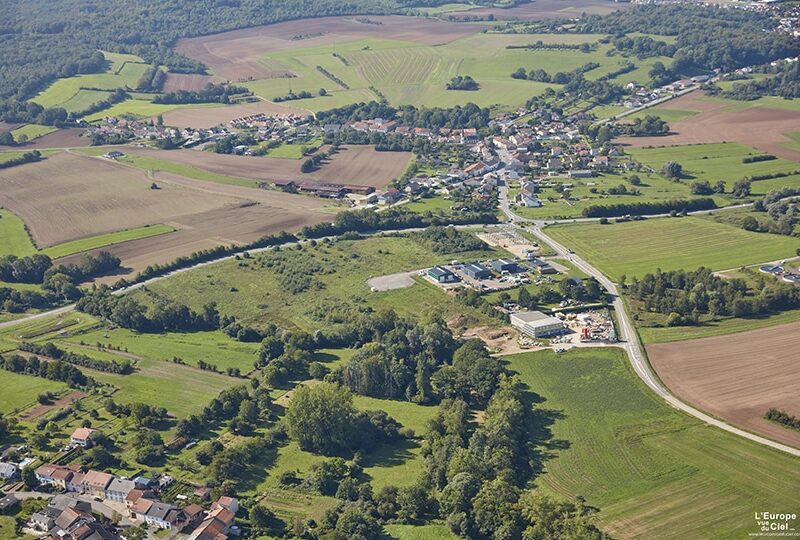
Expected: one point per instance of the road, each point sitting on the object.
(629, 336)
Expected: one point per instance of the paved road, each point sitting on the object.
(628, 335)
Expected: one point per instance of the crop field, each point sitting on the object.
(761, 124)
(15, 238)
(207, 116)
(738, 377)
(60, 138)
(712, 162)
(26, 388)
(653, 472)
(361, 165)
(31, 131)
(409, 60)
(254, 294)
(638, 247)
(211, 347)
(139, 108)
(88, 200)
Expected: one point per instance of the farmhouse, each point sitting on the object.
(536, 324)
(477, 271)
(440, 274)
(83, 436)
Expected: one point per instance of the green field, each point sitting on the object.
(103, 240)
(419, 532)
(213, 347)
(769, 102)
(32, 131)
(653, 472)
(16, 240)
(25, 390)
(712, 162)
(155, 164)
(254, 294)
(140, 108)
(638, 247)
(669, 115)
(654, 187)
(407, 72)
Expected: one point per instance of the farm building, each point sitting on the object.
(581, 173)
(504, 265)
(441, 274)
(536, 324)
(477, 271)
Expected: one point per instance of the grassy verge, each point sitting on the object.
(103, 240)
(15, 239)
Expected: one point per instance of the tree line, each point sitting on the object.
(649, 208)
(212, 93)
(54, 371)
(27, 157)
(457, 117)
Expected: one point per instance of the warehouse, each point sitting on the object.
(536, 324)
(543, 267)
(504, 265)
(477, 271)
(440, 274)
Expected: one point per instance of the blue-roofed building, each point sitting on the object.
(440, 274)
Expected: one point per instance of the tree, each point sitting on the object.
(672, 170)
(495, 511)
(741, 188)
(323, 92)
(321, 417)
(29, 478)
(635, 180)
(701, 187)
(261, 517)
(355, 524)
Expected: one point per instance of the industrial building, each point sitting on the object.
(504, 265)
(477, 271)
(440, 274)
(543, 267)
(536, 324)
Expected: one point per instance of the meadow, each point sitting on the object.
(31, 131)
(254, 294)
(16, 240)
(26, 389)
(638, 247)
(417, 73)
(712, 162)
(652, 471)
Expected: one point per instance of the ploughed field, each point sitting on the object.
(69, 197)
(737, 377)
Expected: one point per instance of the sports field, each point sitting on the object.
(653, 472)
(638, 247)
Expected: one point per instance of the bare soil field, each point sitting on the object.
(5, 127)
(547, 9)
(207, 117)
(759, 127)
(737, 377)
(40, 409)
(360, 165)
(234, 55)
(63, 138)
(69, 196)
(186, 81)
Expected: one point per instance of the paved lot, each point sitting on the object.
(392, 281)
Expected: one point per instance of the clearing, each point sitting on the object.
(653, 472)
(737, 377)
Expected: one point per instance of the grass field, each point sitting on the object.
(769, 102)
(436, 531)
(712, 162)
(254, 294)
(653, 472)
(31, 131)
(25, 390)
(409, 72)
(154, 164)
(654, 187)
(213, 347)
(94, 242)
(16, 240)
(669, 115)
(639, 247)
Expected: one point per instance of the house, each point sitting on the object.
(194, 514)
(536, 324)
(95, 483)
(440, 274)
(477, 271)
(165, 516)
(139, 509)
(75, 484)
(504, 265)
(54, 475)
(528, 201)
(202, 492)
(8, 504)
(229, 503)
(8, 471)
(43, 521)
(119, 489)
(390, 196)
(83, 436)
(113, 155)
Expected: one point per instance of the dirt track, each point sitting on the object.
(737, 377)
(759, 127)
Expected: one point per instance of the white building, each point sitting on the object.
(536, 324)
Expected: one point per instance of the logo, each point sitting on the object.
(776, 524)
